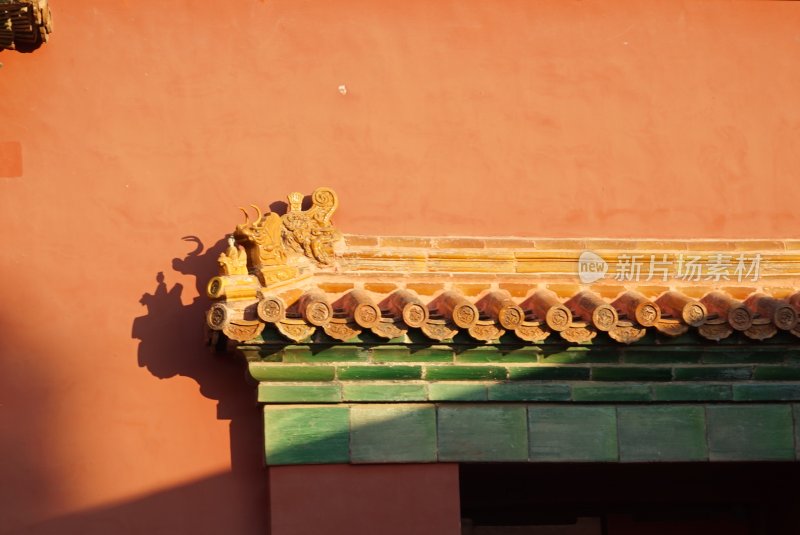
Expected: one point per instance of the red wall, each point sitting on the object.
(146, 121)
(365, 500)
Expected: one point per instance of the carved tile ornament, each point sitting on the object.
(24, 24)
(277, 248)
(297, 276)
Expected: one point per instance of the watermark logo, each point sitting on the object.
(716, 267)
(591, 267)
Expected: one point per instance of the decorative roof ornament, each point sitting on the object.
(297, 275)
(343, 330)
(310, 232)
(280, 248)
(234, 260)
(24, 24)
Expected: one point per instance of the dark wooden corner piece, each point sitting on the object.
(24, 24)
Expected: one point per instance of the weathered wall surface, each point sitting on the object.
(143, 122)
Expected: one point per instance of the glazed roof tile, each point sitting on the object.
(297, 274)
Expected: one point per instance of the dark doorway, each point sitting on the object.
(630, 499)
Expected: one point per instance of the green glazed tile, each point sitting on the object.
(581, 355)
(662, 433)
(630, 373)
(413, 354)
(781, 338)
(661, 356)
(306, 434)
(572, 434)
(266, 353)
(792, 355)
(524, 391)
(621, 393)
(371, 339)
(482, 433)
(742, 356)
(525, 353)
(378, 372)
(750, 432)
(464, 373)
(498, 354)
(393, 433)
(383, 392)
(437, 353)
(766, 392)
(796, 414)
(337, 353)
(299, 393)
(548, 373)
(777, 373)
(713, 373)
(390, 353)
(262, 371)
(692, 392)
(691, 338)
(457, 392)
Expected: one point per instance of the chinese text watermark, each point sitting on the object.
(662, 267)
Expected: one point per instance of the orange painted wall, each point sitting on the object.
(144, 121)
(365, 499)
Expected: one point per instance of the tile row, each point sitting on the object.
(271, 371)
(405, 433)
(492, 314)
(278, 392)
(363, 352)
(565, 244)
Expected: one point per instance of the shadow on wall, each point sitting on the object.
(206, 506)
(172, 343)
